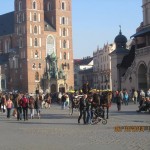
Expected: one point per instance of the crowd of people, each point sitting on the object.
(137, 97)
(23, 104)
(30, 105)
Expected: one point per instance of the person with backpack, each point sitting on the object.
(24, 104)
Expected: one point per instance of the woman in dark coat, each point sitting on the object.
(37, 106)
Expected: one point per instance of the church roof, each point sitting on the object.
(48, 26)
(120, 38)
(84, 61)
(120, 51)
(142, 32)
(7, 24)
(128, 59)
(89, 70)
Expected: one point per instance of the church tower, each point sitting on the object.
(59, 15)
(29, 18)
(43, 28)
(116, 59)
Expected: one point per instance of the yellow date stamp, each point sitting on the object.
(131, 128)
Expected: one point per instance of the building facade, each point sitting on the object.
(83, 72)
(39, 43)
(133, 69)
(102, 67)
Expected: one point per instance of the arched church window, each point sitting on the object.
(63, 6)
(20, 43)
(62, 65)
(50, 45)
(20, 6)
(63, 20)
(68, 66)
(20, 18)
(36, 54)
(64, 44)
(49, 6)
(64, 32)
(37, 76)
(64, 55)
(33, 66)
(35, 17)
(34, 5)
(35, 30)
(35, 42)
(40, 66)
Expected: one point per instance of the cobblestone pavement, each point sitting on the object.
(57, 130)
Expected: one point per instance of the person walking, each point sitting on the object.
(9, 105)
(126, 98)
(18, 106)
(119, 99)
(24, 104)
(135, 96)
(63, 100)
(3, 103)
(31, 106)
(89, 110)
(37, 107)
(83, 108)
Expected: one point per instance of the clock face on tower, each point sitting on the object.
(50, 46)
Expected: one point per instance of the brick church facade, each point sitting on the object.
(35, 30)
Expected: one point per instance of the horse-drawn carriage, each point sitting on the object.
(105, 101)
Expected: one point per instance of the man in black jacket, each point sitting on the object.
(82, 108)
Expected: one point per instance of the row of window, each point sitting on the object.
(102, 67)
(20, 17)
(38, 55)
(63, 6)
(35, 43)
(34, 66)
(19, 6)
(50, 6)
(37, 77)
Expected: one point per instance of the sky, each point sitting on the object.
(96, 22)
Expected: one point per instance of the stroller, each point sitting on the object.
(98, 116)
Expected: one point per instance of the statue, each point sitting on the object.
(52, 66)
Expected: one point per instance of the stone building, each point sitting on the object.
(102, 67)
(36, 41)
(133, 67)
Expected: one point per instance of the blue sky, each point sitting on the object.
(96, 22)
